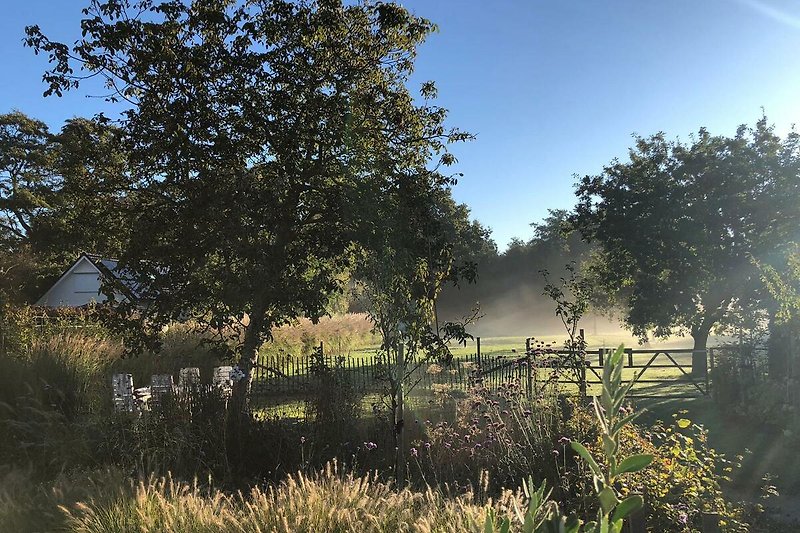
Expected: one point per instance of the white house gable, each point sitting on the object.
(78, 286)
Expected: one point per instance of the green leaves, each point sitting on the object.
(730, 199)
(543, 516)
(608, 499)
(265, 141)
(587, 456)
(633, 463)
(627, 506)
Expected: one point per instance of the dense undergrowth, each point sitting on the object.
(69, 462)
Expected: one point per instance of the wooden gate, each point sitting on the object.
(658, 370)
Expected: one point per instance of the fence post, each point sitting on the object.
(400, 458)
(478, 353)
(600, 353)
(529, 370)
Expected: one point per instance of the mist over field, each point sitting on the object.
(521, 311)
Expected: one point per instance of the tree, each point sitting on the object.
(25, 174)
(260, 135)
(782, 281)
(678, 225)
(53, 200)
(87, 206)
(571, 296)
(408, 261)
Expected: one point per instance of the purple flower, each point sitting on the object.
(427, 445)
(564, 441)
(414, 452)
(683, 518)
(370, 445)
(302, 440)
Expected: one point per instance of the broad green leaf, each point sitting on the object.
(634, 463)
(627, 506)
(584, 453)
(622, 422)
(609, 446)
(608, 499)
(488, 524)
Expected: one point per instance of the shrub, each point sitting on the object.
(505, 432)
(332, 404)
(29, 506)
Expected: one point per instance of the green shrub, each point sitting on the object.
(333, 405)
(502, 431)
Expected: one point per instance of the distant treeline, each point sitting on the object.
(509, 285)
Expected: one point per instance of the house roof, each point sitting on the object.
(122, 278)
(109, 269)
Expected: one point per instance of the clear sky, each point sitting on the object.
(552, 88)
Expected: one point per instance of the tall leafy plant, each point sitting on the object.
(544, 516)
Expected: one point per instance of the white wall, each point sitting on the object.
(80, 286)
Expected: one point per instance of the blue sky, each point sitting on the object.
(551, 88)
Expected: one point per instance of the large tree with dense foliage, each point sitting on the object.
(259, 135)
(59, 195)
(26, 174)
(87, 204)
(679, 224)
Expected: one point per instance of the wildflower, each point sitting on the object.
(427, 445)
(370, 445)
(683, 518)
(302, 440)
(414, 452)
(555, 453)
(564, 441)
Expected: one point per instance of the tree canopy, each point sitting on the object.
(678, 225)
(259, 138)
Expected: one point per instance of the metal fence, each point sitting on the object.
(654, 368)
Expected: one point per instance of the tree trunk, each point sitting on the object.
(248, 359)
(699, 353)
